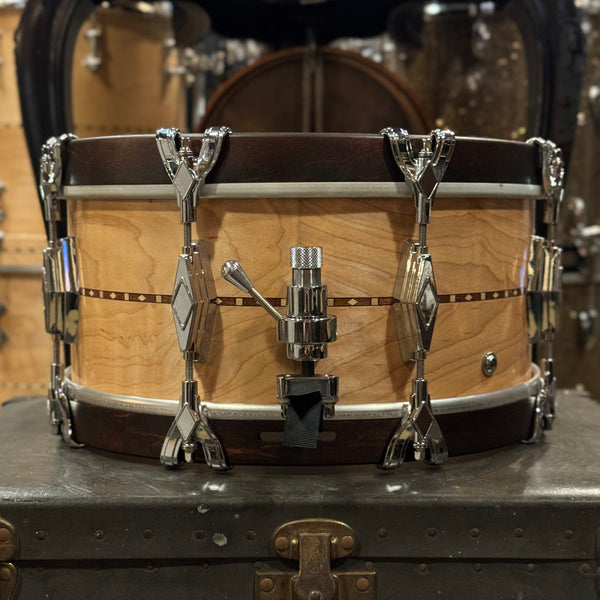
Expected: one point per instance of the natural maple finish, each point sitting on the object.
(133, 246)
(131, 92)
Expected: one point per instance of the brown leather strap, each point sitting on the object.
(258, 442)
(264, 158)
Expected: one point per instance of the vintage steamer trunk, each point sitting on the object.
(520, 522)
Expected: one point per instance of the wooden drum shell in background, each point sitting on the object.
(132, 90)
(25, 355)
(130, 246)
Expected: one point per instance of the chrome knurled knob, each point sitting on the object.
(309, 257)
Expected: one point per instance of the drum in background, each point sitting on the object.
(267, 193)
(124, 78)
(578, 342)
(25, 349)
(327, 90)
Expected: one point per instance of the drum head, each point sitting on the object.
(332, 91)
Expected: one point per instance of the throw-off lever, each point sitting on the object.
(306, 328)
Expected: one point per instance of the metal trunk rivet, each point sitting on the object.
(282, 543)
(489, 364)
(477, 567)
(362, 584)
(518, 532)
(568, 533)
(347, 542)
(585, 569)
(99, 534)
(267, 584)
(383, 532)
(148, 533)
(530, 567)
(41, 534)
(315, 595)
(475, 532)
(422, 568)
(432, 532)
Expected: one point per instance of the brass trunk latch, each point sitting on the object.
(8, 548)
(315, 543)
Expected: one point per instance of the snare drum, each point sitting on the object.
(123, 77)
(267, 193)
(24, 347)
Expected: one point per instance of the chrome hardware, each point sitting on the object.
(8, 548)
(315, 544)
(306, 329)
(489, 364)
(543, 289)
(59, 409)
(424, 172)
(543, 416)
(416, 292)
(416, 309)
(60, 285)
(190, 426)
(553, 180)
(193, 312)
(543, 285)
(419, 428)
(93, 34)
(233, 272)
(61, 290)
(51, 176)
(186, 171)
(326, 386)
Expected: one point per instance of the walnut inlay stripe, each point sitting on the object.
(282, 302)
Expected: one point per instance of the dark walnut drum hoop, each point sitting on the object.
(132, 162)
(248, 158)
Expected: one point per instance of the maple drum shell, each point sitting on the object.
(128, 248)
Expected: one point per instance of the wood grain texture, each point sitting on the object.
(131, 348)
(131, 92)
(10, 115)
(26, 356)
(23, 215)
